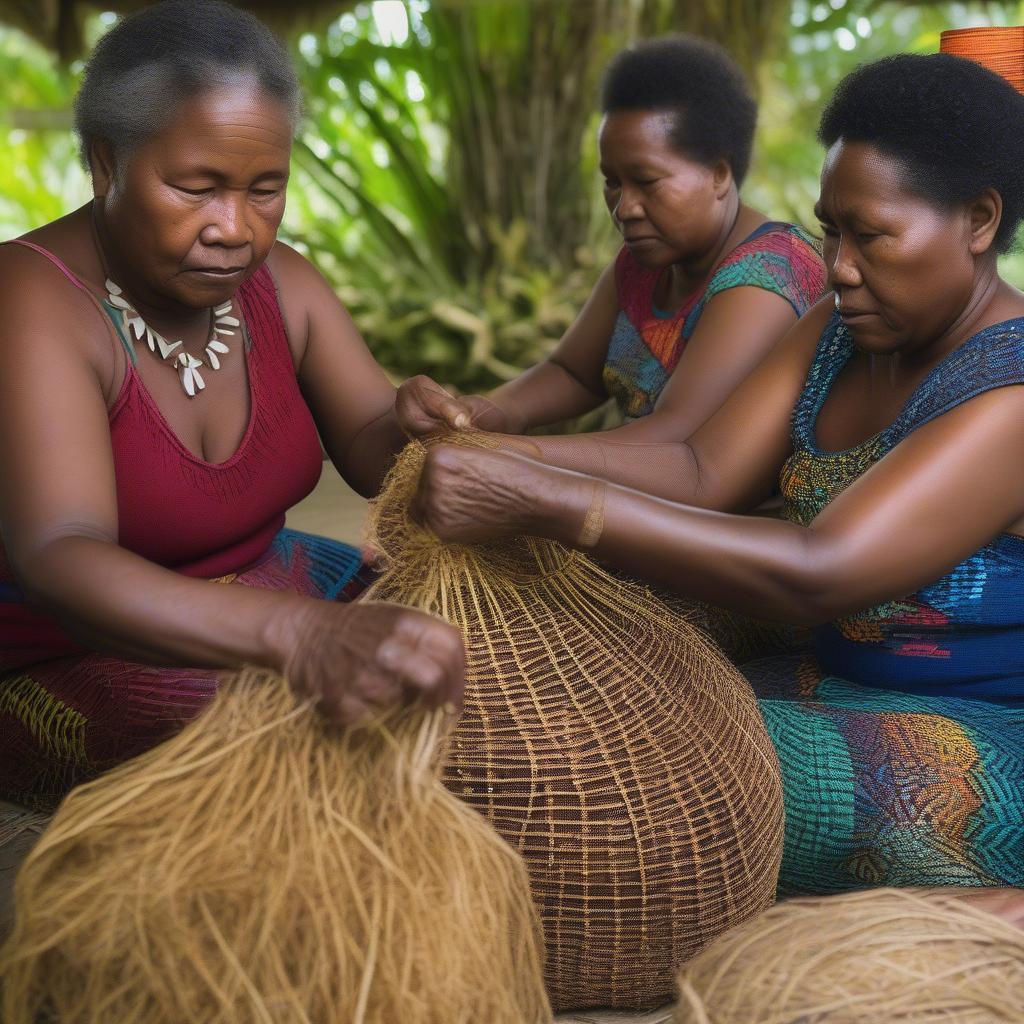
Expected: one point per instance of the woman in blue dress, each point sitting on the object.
(892, 420)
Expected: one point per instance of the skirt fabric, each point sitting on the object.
(65, 720)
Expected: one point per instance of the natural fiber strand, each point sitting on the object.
(885, 955)
(607, 741)
(266, 867)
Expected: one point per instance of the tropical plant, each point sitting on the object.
(451, 151)
(40, 177)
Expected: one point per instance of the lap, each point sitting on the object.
(65, 720)
(891, 788)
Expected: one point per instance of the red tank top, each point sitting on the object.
(198, 518)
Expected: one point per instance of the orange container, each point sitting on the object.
(999, 49)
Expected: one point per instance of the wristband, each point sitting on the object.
(593, 521)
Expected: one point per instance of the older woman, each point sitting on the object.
(703, 287)
(893, 420)
(167, 366)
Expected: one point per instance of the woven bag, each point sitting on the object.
(607, 741)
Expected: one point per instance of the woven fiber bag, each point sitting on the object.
(607, 741)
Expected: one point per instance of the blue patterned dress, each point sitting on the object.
(901, 731)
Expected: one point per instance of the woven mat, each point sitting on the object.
(19, 829)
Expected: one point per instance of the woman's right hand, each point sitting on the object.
(424, 408)
(357, 659)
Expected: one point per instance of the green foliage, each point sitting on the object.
(462, 245)
(40, 177)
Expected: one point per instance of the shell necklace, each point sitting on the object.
(223, 325)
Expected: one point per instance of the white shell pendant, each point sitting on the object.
(191, 379)
(165, 348)
(136, 325)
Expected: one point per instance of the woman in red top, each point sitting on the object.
(167, 368)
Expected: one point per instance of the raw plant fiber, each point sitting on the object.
(882, 956)
(266, 867)
(609, 743)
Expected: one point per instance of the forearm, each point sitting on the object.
(763, 567)
(116, 602)
(370, 454)
(546, 393)
(666, 470)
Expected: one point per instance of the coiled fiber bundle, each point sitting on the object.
(265, 867)
(885, 956)
(610, 744)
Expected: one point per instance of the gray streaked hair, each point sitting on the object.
(150, 63)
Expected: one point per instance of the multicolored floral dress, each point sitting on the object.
(646, 343)
(901, 729)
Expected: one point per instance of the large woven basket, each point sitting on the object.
(606, 740)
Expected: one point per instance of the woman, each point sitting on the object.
(892, 420)
(167, 368)
(703, 287)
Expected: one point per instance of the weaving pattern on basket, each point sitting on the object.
(607, 741)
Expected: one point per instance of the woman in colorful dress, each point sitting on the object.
(167, 367)
(892, 419)
(703, 286)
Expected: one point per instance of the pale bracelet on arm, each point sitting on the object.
(593, 521)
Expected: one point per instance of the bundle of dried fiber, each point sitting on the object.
(886, 955)
(608, 742)
(266, 867)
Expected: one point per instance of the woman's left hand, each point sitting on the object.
(424, 408)
(476, 494)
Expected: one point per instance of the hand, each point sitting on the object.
(469, 495)
(357, 659)
(424, 408)
(1002, 901)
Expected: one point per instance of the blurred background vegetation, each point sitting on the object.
(445, 179)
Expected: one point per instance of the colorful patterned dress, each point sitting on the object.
(67, 713)
(901, 731)
(646, 344)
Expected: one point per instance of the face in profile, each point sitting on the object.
(903, 268)
(666, 206)
(195, 209)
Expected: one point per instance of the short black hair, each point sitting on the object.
(147, 65)
(714, 111)
(956, 127)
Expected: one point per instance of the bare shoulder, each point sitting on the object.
(800, 342)
(44, 309)
(303, 293)
(292, 271)
(816, 319)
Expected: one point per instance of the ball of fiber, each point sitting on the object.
(884, 955)
(608, 742)
(267, 867)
